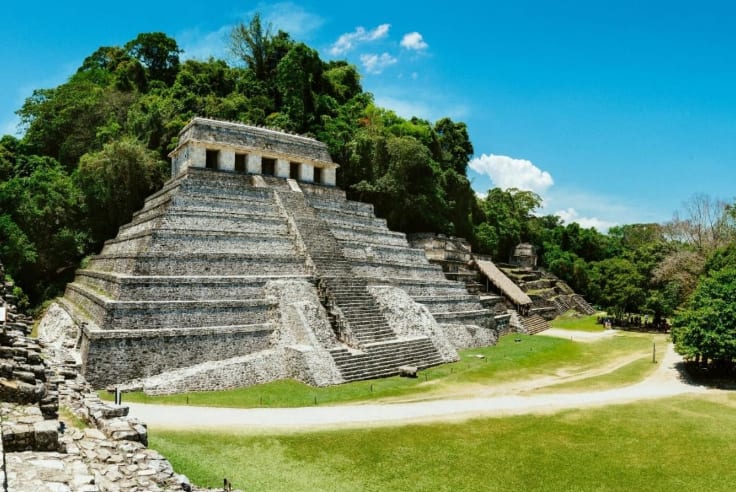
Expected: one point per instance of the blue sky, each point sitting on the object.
(613, 111)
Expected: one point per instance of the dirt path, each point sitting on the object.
(579, 336)
(664, 382)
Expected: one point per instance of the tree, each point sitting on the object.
(158, 53)
(706, 329)
(249, 43)
(115, 181)
(454, 144)
(404, 186)
(127, 72)
(63, 123)
(508, 212)
(39, 228)
(8, 145)
(342, 81)
(618, 286)
(298, 77)
(707, 225)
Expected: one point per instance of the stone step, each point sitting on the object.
(368, 236)
(353, 364)
(136, 315)
(394, 254)
(440, 306)
(379, 358)
(341, 206)
(352, 220)
(165, 264)
(194, 287)
(390, 270)
(384, 359)
(163, 239)
(183, 202)
(535, 324)
(481, 317)
(205, 221)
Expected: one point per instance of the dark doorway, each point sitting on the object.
(294, 170)
(318, 175)
(211, 159)
(268, 166)
(240, 163)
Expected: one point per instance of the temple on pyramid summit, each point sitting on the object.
(248, 266)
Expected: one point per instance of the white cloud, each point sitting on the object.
(347, 41)
(414, 41)
(376, 63)
(292, 18)
(571, 215)
(507, 172)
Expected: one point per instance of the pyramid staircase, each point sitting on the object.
(582, 305)
(383, 257)
(372, 348)
(535, 324)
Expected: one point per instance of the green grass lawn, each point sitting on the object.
(573, 321)
(684, 443)
(509, 360)
(628, 374)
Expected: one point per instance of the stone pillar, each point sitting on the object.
(282, 168)
(197, 156)
(226, 160)
(176, 164)
(306, 173)
(329, 176)
(253, 164)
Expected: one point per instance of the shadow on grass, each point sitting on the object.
(711, 377)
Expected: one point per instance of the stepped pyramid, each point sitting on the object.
(249, 265)
(523, 296)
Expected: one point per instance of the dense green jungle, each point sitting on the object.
(95, 146)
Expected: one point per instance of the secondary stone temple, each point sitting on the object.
(249, 265)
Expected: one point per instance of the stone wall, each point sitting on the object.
(297, 348)
(441, 248)
(117, 356)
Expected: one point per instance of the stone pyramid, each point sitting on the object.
(249, 265)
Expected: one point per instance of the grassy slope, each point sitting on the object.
(685, 443)
(508, 361)
(572, 321)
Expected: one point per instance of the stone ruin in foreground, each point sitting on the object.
(248, 266)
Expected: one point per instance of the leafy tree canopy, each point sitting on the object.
(706, 329)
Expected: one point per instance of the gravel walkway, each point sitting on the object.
(665, 382)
